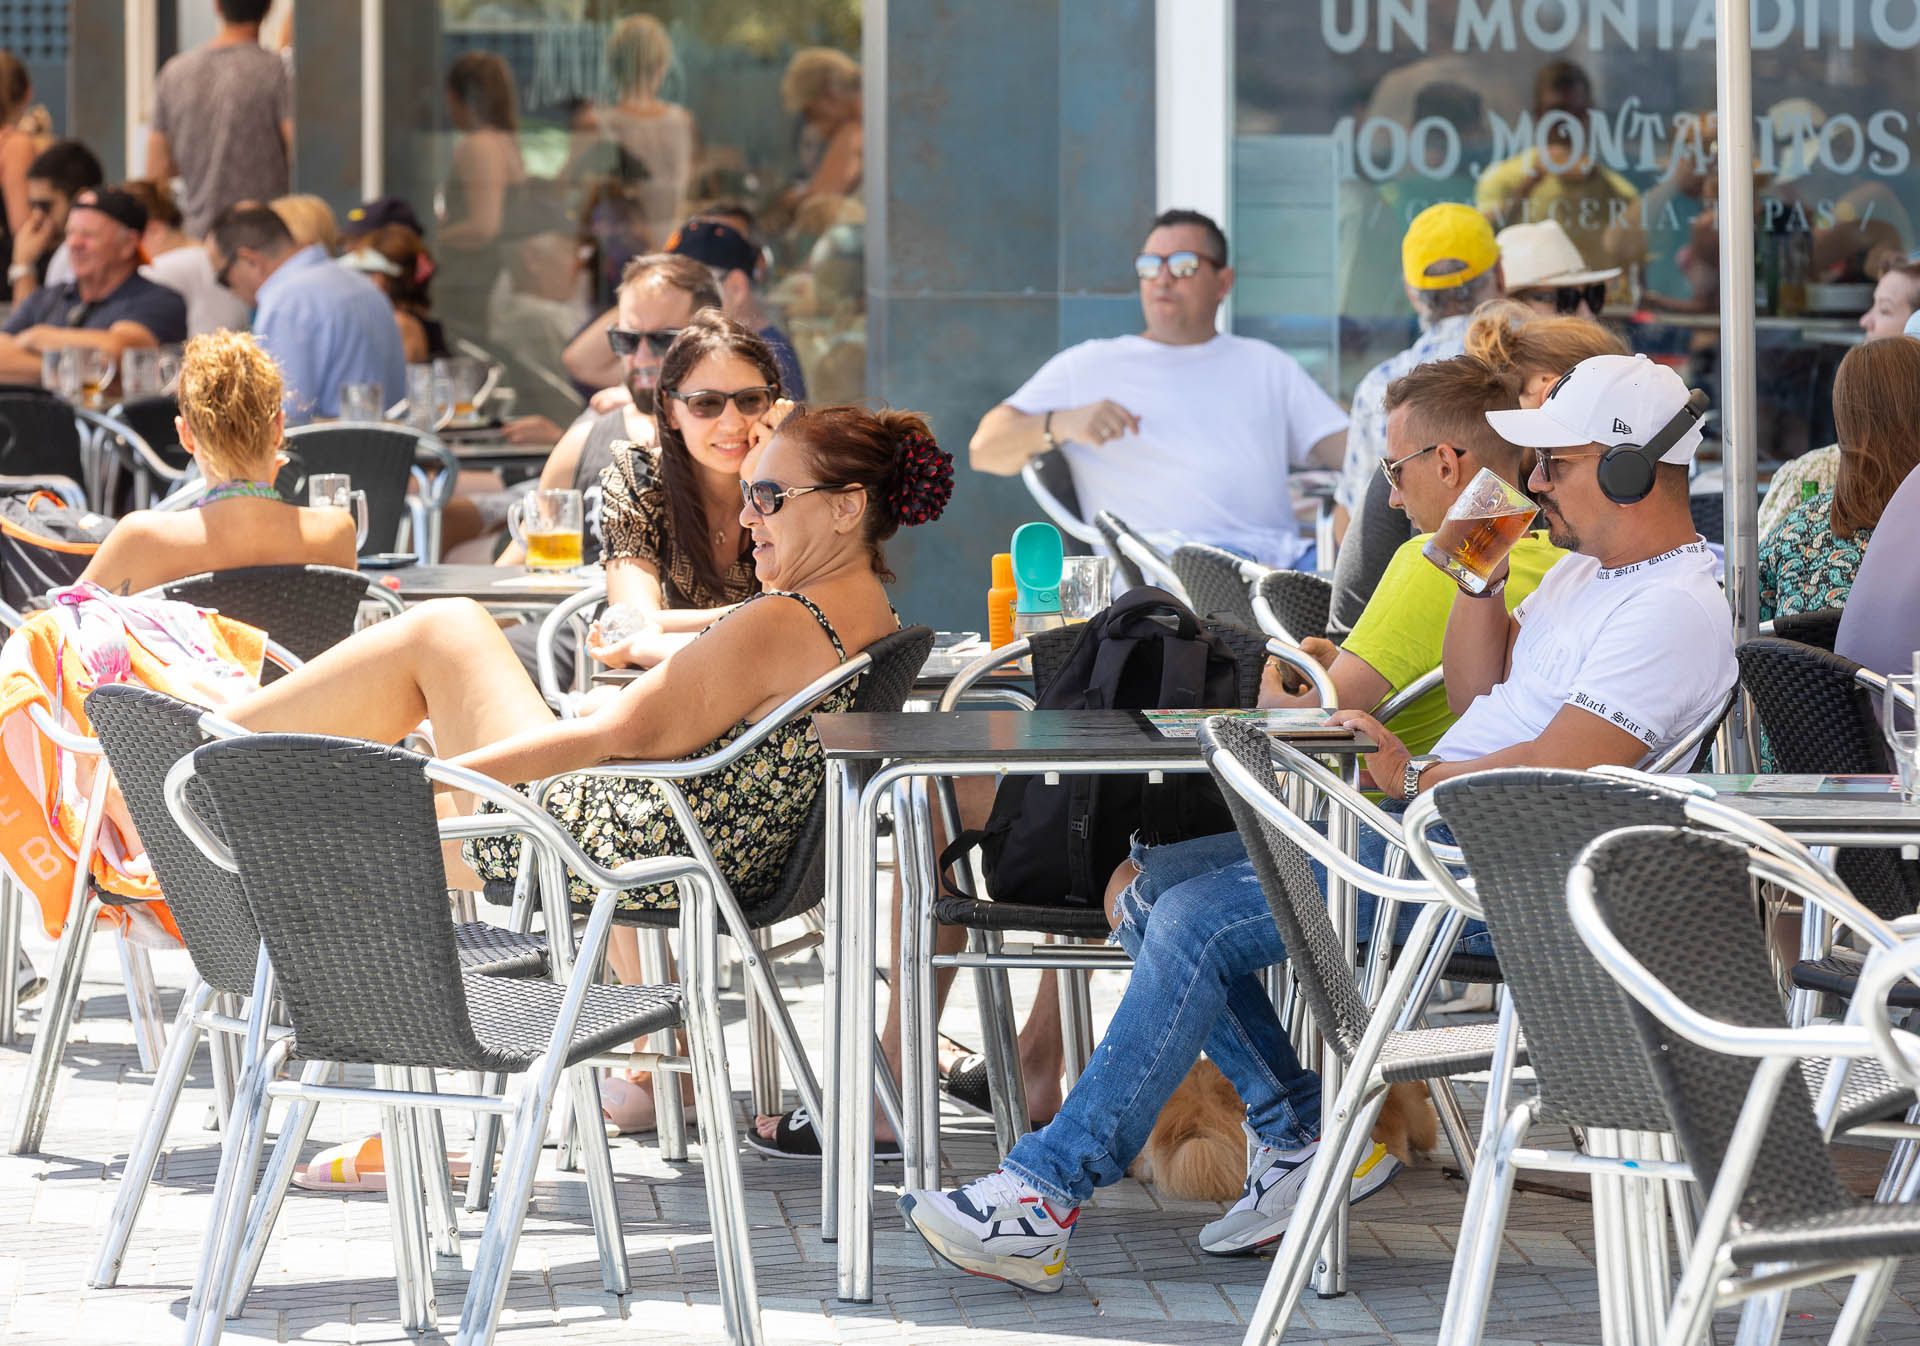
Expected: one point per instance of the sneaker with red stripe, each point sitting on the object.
(997, 1227)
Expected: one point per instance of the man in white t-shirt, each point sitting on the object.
(1185, 432)
(1623, 648)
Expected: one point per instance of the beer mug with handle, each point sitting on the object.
(145, 371)
(1480, 529)
(547, 525)
(334, 490)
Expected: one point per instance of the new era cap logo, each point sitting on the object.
(1620, 427)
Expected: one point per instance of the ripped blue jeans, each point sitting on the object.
(1198, 927)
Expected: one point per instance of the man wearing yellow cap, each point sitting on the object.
(1451, 265)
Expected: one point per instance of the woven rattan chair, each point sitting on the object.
(1378, 1045)
(1709, 511)
(41, 445)
(1820, 712)
(1714, 1039)
(305, 608)
(1218, 582)
(1078, 933)
(1819, 629)
(313, 826)
(1292, 605)
(1521, 831)
(381, 460)
(118, 447)
(1049, 480)
(1136, 561)
(144, 734)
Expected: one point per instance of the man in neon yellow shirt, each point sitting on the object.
(1437, 439)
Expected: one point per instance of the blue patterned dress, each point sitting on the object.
(1803, 566)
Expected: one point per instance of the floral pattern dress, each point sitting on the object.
(1803, 566)
(751, 812)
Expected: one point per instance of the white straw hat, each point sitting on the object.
(1540, 255)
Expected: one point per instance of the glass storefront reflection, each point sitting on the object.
(1598, 114)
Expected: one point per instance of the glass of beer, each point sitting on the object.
(96, 372)
(334, 490)
(464, 377)
(547, 524)
(362, 402)
(1480, 529)
(145, 371)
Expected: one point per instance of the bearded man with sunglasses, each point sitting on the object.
(1185, 432)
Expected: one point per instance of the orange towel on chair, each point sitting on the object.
(88, 638)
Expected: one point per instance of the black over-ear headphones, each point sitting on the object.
(1627, 471)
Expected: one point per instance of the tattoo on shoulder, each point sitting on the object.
(126, 588)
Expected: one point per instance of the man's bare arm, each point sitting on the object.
(1330, 451)
(1009, 438)
(588, 358)
(1478, 649)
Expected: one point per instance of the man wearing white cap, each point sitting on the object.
(1544, 271)
(1621, 650)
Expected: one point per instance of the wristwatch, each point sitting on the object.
(1046, 432)
(18, 272)
(1493, 590)
(1410, 778)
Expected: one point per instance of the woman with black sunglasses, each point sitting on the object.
(676, 554)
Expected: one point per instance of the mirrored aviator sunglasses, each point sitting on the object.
(624, 341)
(1180, 265)
(709, 404)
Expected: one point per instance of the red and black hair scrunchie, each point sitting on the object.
(923, 480)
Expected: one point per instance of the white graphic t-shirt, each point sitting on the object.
(1647, 647)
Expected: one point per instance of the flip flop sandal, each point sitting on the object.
(797, 1138)
(966, 1084)
(358, 1167)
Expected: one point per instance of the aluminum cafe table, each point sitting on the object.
(516, 587)
(867, 755)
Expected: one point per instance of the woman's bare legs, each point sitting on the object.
(446, 661)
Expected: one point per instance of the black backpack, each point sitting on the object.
(1052, 845)
(44, 544)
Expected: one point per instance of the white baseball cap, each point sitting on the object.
(1535, 256)
(1606, 399)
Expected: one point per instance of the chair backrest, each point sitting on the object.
(1682, 903)
(38, 437)
(1051, 648)
(1521, 831)
(152, 419)
(143, 733)
(897, 660)
(1315, 952)
(1709, 510)
(339, 855)
(305, 608)
(1215, 580)
(1300, 599)
(1819, 629)
(379, 458)
(1819, 720)
(1049, 480)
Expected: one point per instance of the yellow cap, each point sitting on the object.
(1446, 246)
(1002, 570)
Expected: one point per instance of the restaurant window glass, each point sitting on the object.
(1351, 116)
(574, 135)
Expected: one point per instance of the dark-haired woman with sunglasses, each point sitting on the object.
(836, 483)
(676, 553)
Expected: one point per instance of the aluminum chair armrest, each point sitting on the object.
(144, 456)
(1878, 684)
(780, 715)
(188, 819)
(1338, 792)
(547, 672)
(11, 617)
(1307, 838)
(1050, 504)
(1432, 859)
(1306, 666)
(1395, 702)
(1899, 1047)
(1634, 977)
(963, 681)
(60, 736)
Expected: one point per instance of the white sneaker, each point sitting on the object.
(996, 1227)
(1274, 1180)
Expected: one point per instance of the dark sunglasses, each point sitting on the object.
(1180, 265)
(1392, 470)
(1568, 298)
(225, 273)
(626, 341)
(707, 403)
(767, 498)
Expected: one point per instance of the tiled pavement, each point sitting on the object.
(1136, 1274)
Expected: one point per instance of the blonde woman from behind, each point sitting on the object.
(231, 422)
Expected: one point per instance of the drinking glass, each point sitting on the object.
(1086, 586)
(1480, 529)
(1903, 738)
(547, 524)
(464, 377)
(66, 372)
(50, 369)
(362, 402)
(145, 371)
(96, 372)
(500, 404)
(422, 407)
(334, 490)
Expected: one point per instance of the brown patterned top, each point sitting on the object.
(637, 524)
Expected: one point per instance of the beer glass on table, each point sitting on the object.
(96, 372)
(1086, 587)
(1480, 529)
(362, 402)
(145, 371)
(547, 524)
(464, 378)
(334, 490)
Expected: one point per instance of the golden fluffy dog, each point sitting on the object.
(1198, 1151)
